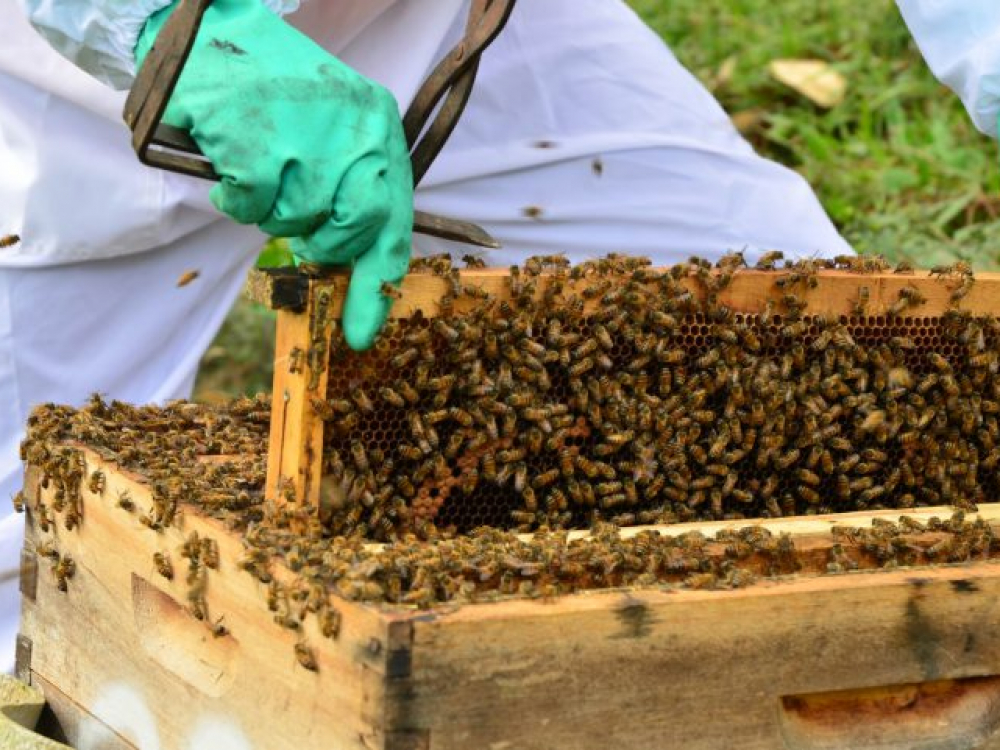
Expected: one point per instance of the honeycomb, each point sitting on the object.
(609, 392)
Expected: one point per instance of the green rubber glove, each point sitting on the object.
(306, 147)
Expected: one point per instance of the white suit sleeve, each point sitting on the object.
(100, 35)
(960, 40)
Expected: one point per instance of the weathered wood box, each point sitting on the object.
(907, 657)
(901, 659)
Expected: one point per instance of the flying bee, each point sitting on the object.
(532, 212)
(9, 241)
(597, 166)
(187, 277)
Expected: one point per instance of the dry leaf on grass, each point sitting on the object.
(814, 79)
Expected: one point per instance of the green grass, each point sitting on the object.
(898, 165)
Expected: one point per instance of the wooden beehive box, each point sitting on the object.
(899, 659)
(872, 659)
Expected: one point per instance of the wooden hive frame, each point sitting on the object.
(306, 306)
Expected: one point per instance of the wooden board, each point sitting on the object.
(881, 660)
(121, 643)
(301, 366)
(835, 293)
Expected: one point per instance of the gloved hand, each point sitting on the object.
(306, 147)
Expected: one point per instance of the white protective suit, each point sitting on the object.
(88, 299)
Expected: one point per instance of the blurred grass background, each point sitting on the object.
(898, 164)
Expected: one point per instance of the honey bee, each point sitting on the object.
(808, 494)
(962, 290)
(787, 459)
(187, 277)
(362, 401)
(219, 630)
(392, 398)
(210, 553)
(873, 421)
(469, 481)
(405, 358)
(959, 268)
(359, 455)
(97, 482)
(306, 657)
(163, 565)
(330, 623)
(391, 291)
(63, 568)
(701, 581)
(808, 477)
(545, 478)
(532, 212)
(521, 518)
(9, 241)
(860, 306)
(769, 260)
(908, 297)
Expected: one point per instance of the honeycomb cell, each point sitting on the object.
(527, 415)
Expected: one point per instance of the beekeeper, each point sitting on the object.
(580, 112)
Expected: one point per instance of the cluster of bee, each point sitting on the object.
(63, 566)
(490, 564)
(610, 391)
(176, 448)
(910, 542)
